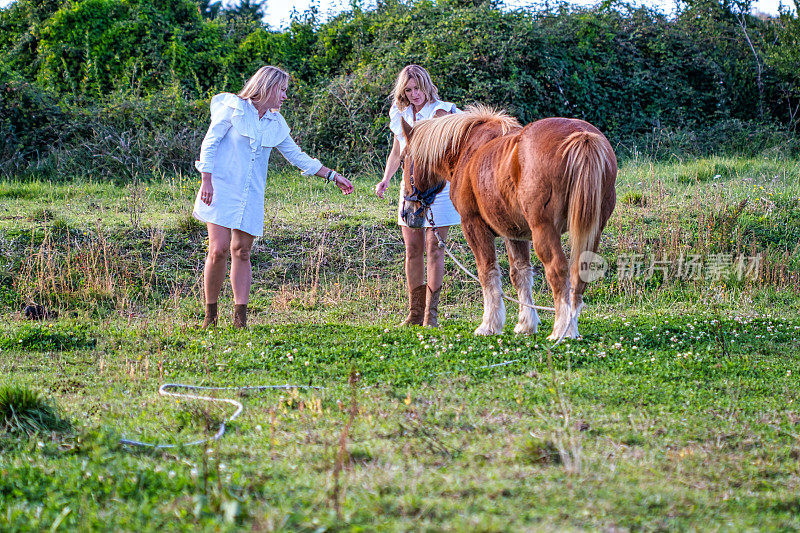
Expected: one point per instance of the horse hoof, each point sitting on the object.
(484, 329)
(524, 329)
(567, 335)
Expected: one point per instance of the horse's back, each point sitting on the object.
(543, 179)
(548, 134)
(519, 179)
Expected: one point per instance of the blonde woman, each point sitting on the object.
(414, 98)
(244, 129)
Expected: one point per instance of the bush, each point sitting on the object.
(31, 124)
(119, 88)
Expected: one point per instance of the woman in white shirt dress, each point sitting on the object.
(415, 97)
(233, 163)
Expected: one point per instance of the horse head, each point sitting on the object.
(421, 183)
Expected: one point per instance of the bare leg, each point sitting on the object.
(519, 257)
(241, 272)
(219, 241)
(414, 239)
(481, 239)
(435, 257)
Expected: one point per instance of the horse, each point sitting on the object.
(527, 185)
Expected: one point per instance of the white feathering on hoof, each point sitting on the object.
(494, 310)
(528, 322)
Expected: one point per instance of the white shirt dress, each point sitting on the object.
(236, 151)
(444, 214)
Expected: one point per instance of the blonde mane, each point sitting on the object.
(434, 139)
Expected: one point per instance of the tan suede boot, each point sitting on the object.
(416, 307)
(211, 316)
(240, 316)
(432, 308)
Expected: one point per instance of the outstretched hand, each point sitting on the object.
(380, 188)
(344, 184)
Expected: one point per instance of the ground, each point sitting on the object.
(676, 410)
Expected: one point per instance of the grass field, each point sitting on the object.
(677, 410)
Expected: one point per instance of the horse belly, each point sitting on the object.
(505, 224)
(496, 194)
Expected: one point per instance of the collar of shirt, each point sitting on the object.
(422, 114)
(267, 131)
(269, 114)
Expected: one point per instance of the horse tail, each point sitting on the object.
(586, 156)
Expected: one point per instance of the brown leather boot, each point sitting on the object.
(432, 308)
(416, 307)
(240, 316)
(211, 316)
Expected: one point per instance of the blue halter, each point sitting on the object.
(425, 198)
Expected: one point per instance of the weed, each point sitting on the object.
(43, 214)
(341, 450)
(25, 411)
(189, 224)
(634, 198)
(538, 450)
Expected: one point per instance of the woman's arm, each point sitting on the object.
(392, 164)
(220, 124)
(340, 181)
(309, 165)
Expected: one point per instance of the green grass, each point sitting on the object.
(678, 409)
(25, 411)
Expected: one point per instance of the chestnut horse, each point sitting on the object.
(527, 185)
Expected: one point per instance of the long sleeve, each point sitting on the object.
(297, 157)
(220, 124)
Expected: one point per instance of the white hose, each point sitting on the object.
(162, 390)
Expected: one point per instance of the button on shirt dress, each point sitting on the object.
(236, 151)
(444, 214)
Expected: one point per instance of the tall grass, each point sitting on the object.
(25, 411)
(136, 248)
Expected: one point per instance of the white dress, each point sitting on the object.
(236, 151)
(444, 214)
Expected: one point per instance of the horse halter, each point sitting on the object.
(425, 198)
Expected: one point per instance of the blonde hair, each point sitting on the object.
(263, 82)
(423, 79)
(435, 139)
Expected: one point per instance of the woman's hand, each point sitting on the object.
(380, 187)
(206, 189)
(343, 183)
(392, 164)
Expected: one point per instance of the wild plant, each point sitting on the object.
(562, 442)
(25, 411)
(341, 451)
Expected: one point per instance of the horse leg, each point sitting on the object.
(481, 240)
(519, 258)
(547, 244)
(579, 278)
(578, 281)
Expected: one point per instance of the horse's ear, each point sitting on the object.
(406, 128)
